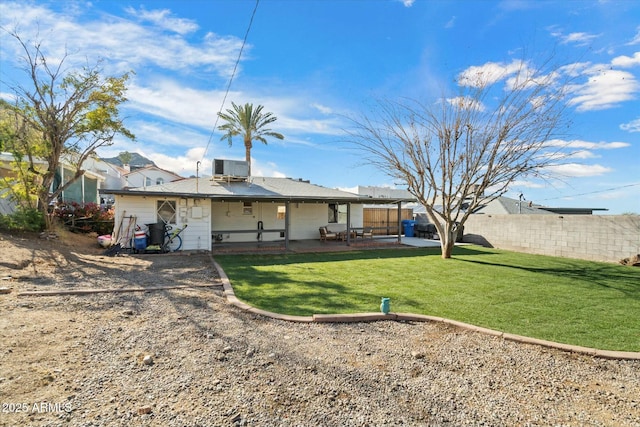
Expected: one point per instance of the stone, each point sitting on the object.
(144, 410)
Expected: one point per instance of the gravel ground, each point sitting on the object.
(184, 357)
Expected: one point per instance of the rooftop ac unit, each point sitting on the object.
(230, 168)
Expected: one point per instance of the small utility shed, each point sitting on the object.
(247, 209)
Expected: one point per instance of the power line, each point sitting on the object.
(235, 68)
(593, 192)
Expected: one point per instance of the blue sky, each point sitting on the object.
(313, 63)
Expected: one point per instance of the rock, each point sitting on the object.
(417, 355)
(147, 360)
(633, 261)
(144, 410)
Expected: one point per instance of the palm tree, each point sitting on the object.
(250, 123)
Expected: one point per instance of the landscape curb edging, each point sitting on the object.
(408, 317)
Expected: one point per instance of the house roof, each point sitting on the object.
(7, 158)
(147, 168)
(506, 205)
(253, 189)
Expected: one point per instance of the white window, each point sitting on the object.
(159, 181)
(166, 211)
(282, 211)
(247, 208)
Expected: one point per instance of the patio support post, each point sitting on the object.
(399, 222)
(287, 211)
(349, 224)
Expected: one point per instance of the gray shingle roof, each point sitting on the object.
(255, 188)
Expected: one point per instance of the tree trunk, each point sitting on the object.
(448, 240)
(446, 245)
(247, 153)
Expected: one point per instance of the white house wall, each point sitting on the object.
(194, 213)
(229, 216)
(202, 216)
(305, 219)
(138, 178)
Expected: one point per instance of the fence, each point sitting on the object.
(384, 221)
(592, 237)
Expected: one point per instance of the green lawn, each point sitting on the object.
(565, 300)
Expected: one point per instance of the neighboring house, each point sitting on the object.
(113, 174)
(119, 177)
(242, 209)
(83, 190)
(148, 176)
(507, 206)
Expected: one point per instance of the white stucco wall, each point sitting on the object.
(194, 213)
(202, 216)
(305, 219)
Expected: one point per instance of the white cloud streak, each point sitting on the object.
(632, 126)
(124, 44)
(636, 39)
(162, 19)
(576, 170)
(586, 145)
(626, 61)
(605, 88)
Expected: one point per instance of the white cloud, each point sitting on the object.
(162, 19)
(605, 88)
(636, 39)
(577, 170)
(322, 108)
(9, 97)
(177, 103)
(466, 103)
(632, 126)
(124, 44)
(527, 184)
(184, 165)
(626, 61)
(581, 39)
(489, 73)
(586, 145)
(407, 3)
(269, 169)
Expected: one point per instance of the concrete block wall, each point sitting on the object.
(607, 238)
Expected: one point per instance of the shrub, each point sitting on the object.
(23, 219)
(85, 218)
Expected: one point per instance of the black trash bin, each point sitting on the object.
(156, 233)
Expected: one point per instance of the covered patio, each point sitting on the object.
(316, 245)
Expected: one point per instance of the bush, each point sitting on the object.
(85, 218)
(24, 219)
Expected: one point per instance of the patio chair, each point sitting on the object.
(366, 232)
(326, 235)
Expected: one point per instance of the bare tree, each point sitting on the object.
(74, 112)
(461, 151)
